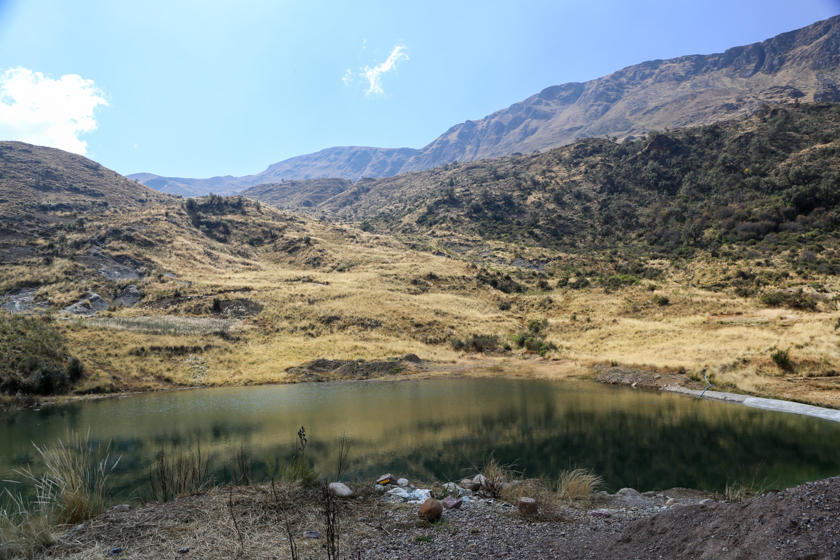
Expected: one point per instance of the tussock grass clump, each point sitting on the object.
(792, 300)
(476, 343)
(782, 359)
(496, 478)
(577, 484)
(170, 477)
(24, 529)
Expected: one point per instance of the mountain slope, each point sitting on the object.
(772, 179)
(41, 186)
(690, 90)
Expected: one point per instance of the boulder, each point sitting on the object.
(479, 482)
(527, 506)
(386, 479)
(340, 489)
(402, 482)
(431, 510)
(450, 502)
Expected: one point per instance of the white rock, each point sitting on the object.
(451, 487)
(670, 502)
(340, 489)
(480, 481)
(398, 493)
(402, 482)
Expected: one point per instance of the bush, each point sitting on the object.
(35, 360)
(476, 343)
(660, 300)
(782, 359)
(793, 300)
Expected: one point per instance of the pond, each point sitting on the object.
(444, 429)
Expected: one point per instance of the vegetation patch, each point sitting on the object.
(35, 357)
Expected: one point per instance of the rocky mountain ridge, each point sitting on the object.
(659, 94)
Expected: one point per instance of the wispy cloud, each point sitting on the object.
(50, 112)
(372, 75)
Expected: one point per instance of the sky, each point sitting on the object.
(201, 88)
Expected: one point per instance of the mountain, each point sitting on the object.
(768, 181)
(655, 95)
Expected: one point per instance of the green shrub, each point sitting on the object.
(476, 343)
(793, 300)
(660, 300)
(35, 360)
(782, 359)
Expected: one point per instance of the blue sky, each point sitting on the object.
(206, 88)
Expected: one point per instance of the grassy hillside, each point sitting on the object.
(769, 182)
(217, 291)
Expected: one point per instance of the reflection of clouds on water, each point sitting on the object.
(444, 428)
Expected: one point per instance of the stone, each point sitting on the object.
(706, 502)
(419, 495)
(380, 488)
(400, 493)
(431, 510)
(628, 493)
(451, 487)
(340, 489)
(479, 482)
(312, 535)
(183, 550)
(670, 502)
(601, 513)
(121, 508)
(402, 482)
(386, 479)
(450, 502)
(468, 484)
(116, 551)
(413, 358)
(527, 506)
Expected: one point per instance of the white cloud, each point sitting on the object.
(45, 111)
(374, 75)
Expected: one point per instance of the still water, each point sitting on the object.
(442, 429)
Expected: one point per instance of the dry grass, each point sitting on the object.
(577, 485)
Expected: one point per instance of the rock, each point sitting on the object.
(706, 502)
(628, 493)
(386, 479)
(419, 495)
(116, 551)
(400, 493)
(601, 513)
(402, 482)
(670, 502)
(88, 306)
(468, 484)
(380, 488)
(129, 296)
(183, 550)
(431, 510)
(527, 506)
(312, 535)
(451, 487)
(479, 482)
(121, 508)
(413, 358)
(340, 489)
(452, 503)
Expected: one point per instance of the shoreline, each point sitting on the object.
(488, 367)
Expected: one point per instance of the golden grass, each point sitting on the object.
(346, 294)
(577, 484)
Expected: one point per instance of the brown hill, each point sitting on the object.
(690, 90)
(297, 194)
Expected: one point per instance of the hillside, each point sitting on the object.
(220, 291)
(771, 180)
(654, 95)
(296, 195)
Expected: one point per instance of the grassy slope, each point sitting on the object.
(338, 292)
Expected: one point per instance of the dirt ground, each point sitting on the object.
(250, 522)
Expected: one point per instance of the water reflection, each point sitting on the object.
(444, 428)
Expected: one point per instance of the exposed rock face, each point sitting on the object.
(689, 90)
